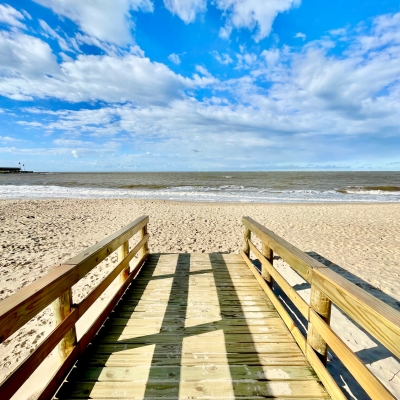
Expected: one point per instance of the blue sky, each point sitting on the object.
(133, 85)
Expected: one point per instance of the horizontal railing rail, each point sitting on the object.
(376, 317)
(55, 288)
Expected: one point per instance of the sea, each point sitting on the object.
(230, 187)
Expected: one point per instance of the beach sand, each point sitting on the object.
(360, 241)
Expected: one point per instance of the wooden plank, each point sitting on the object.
(24, 370)
(98, 252)
(183, 373)
(195, 346)
(361, 373)
(115, 360)
(193, 390)
(85, 304)
(61, 373)
(190, 322)
(302, 263)
(22, 306)
(295, 331)
(296, 299)
(326, 378)
(273, 335)
(19, 308)
(376, 317)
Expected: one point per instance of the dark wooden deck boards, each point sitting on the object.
(193, 326)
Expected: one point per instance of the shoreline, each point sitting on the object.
(201, 202)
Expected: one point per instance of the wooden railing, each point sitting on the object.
(55, 288)
(377, 318)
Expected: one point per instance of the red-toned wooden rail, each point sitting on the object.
(376, 317)
(55, 287)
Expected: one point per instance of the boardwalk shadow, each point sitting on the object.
(195, 342)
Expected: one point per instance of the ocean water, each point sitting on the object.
(242, 187)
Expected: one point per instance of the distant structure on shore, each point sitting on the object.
(11, 170)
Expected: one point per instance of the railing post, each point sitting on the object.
(122, 253)
(62, 307)
(145, 247)
(322, 306)
(246, 238)
(269, 255)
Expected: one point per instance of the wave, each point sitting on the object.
(370, 190)
(225, 193)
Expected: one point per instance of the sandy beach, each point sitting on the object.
(360, 241)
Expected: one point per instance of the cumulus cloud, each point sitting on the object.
(105, 20)
(11, 16)
(252, 14)
(29, 70)
(24, 58)
(174, 58)
(186, 10)
(283, 100)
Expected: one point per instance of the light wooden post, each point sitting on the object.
(269, 255)
(62, 307)
(246, 238)
(145, 247)
(122, 253)
(322, 306)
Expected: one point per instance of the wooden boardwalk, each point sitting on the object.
(193, 326)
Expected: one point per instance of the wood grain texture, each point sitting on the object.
(302, 263)
(321, 304)
(376, 317)
(297, 300)
(59, 376)
(326, 378)
(19, 308)
(62, 307)
(361, 373)
(29, 365)
(178, 334)
(294, 330)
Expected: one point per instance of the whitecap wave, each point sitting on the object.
(226, 193)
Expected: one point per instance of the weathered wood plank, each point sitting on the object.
(189, 359)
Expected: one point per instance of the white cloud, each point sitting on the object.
(49, 32)
(186, 10)
(252, 13)
(75, 153)
(222, 58)
(174, 58)
(202, 70)
(30, 70)
(105, 20)
(11, 16)
(24, 60)
(9, 139)
(300, 35)
(298, 104)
